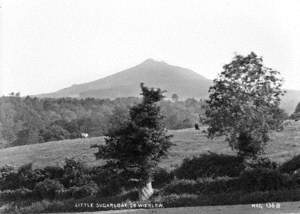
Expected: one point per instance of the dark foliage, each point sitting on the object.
(162, 177)
(210, 165)
(202, 186)
(291, 165)
(296, 114)
(24, 177)
(107, 179)
(85, 190)
(17, 194)
(260, 162)
(263, 179)
(54, 172)
(135, 149)
(75, 174)
(47, 188)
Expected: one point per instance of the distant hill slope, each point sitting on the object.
(182, 81)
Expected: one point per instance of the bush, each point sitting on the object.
(75, 174)
(263, 179)
(291, 165)
(85, 190)
(261, 162)
(219, 185)
(17, 194)
(8, 178)
(210, 165)
(24, 177)
(181, 186)
(27, 177)
(108, 181)
(54, 172)
(161, 177)
(202, 186)
(179, 200)
(47, 189)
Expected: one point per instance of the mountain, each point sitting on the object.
(182, 81)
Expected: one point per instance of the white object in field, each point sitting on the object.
(84, 135)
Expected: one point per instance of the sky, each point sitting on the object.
(47, 45)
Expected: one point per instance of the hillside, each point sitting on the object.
(182, 81)
(188, 142)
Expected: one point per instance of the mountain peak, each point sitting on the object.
(155, 73)
(152, 61)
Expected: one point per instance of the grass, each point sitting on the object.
(188, 142)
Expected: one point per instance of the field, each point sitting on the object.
(188, 142)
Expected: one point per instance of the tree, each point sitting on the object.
(135, 149)
(296, 114)
(175, 97)
(297, 109)
(243, 104)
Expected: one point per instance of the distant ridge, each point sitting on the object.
(182, 81)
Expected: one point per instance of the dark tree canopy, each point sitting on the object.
(244, 104)
(296, 114)
(136, 148)
(175, 97)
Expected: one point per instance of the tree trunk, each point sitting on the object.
(146, 192)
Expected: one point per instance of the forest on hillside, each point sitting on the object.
(29, 120)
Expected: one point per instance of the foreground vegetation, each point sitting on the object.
(211, 179)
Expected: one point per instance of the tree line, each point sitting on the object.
(29, 120)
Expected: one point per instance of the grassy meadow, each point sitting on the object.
(187, 143)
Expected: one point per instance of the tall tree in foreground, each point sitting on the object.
(244, 103)
(134, 149)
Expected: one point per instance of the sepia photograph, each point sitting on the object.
(150, 106)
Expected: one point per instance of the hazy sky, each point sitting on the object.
(50, 44)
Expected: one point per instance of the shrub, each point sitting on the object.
(291, 165)
(17, 194)
(47, 189)
(8, 178)
(218, 185)
(263, 179)
(108, 181)
(180, 187)
(210, 165)
(25, 177)
(161, 177)
(75, 174)
(261, 162)
(28, 177)
(202, 186)
(85, 190)
(54, 172)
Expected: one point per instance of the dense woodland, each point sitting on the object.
(29, 120)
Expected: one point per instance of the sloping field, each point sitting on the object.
(188, 142)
